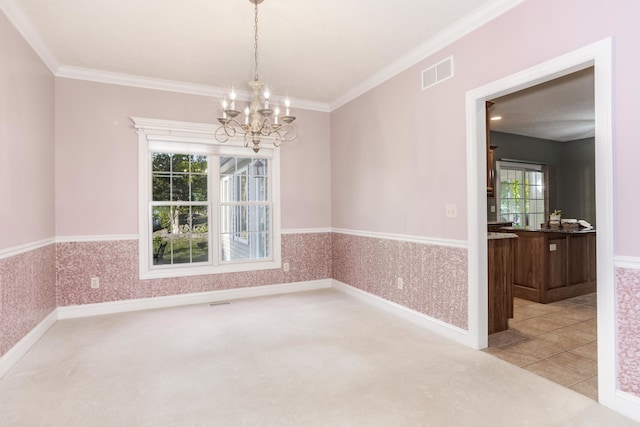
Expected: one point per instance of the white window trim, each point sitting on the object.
(500, 164)
(197, 138)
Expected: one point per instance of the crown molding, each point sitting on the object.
(19, 19)
(108, 77)
(454, 32)
(436, 43)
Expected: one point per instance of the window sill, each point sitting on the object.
(170, 272)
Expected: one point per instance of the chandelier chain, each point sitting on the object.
(263, 118)
(255, 44)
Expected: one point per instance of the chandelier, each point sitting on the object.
(262, 116)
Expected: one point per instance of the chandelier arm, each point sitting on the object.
(221, 134)
(277, 141)
(265, 127)
(258, 113)
(231, 127)
(287, 132)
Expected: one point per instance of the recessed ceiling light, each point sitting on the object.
(496, 118)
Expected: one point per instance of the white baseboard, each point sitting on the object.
(87, 310)
(16, 352)
(628, 405)
(454, 333)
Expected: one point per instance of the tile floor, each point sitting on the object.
(557, 341)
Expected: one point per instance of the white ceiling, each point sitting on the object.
(317, 50)
(558, 110)
(321, 53)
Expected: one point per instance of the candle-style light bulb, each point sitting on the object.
(277, 114)
(246, 115)
(224, 108)
(266, 98)
(233, 99)
(287, 103)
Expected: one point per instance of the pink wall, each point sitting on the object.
(406, 146)
(628, 319)
(399, 153)
(26, 142)
(116, 264)
(387, 162)
(96, 157)
(434, 277)
(28, 293)
(27, 280)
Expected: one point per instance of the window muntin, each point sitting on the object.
(521, 194)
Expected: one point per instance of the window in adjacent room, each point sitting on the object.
(521, 193)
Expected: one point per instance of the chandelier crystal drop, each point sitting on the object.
(263, 118)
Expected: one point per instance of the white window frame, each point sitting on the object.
(506, 164)
(197, 138)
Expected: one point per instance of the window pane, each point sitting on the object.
(180, 163)
(244, 232)
(199, 164)
(181, 235)
(521, 197)
(161, 187)
(200, 233)
(259, 167)
(161, 162)
(160, 244)
(160, 219)
(180, 188)
(226, 216)
(198, 188)
(258, 218)
(258, 189)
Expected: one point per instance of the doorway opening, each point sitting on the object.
(598, 56)
(543, 152)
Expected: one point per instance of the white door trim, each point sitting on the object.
(599, 55)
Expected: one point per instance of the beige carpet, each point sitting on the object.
(316, 358)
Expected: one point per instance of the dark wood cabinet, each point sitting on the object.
(491, 161)
(551, 266)
(500, 254)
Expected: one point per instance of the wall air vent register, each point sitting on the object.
(437, 73)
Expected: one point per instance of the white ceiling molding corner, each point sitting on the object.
(462, 27)
(109, 77)
(23, 24)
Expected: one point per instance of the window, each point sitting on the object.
(204, 207)
(244, 208)
(521, 194)
(179, 208)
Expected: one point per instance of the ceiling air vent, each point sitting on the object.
(437, 73)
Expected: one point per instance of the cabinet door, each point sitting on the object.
(557, 256)
(529, 265)
(579, 259)
(491, 180)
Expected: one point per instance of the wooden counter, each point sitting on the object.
(553, 265)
